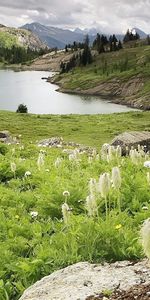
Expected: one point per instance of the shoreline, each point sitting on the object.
(116, 99)
(107, 90)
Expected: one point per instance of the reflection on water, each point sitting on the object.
(41, 97)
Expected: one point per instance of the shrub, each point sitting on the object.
(22, 109)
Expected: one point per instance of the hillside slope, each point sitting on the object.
(21, 37)
(123, 76)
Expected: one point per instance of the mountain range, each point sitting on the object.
(57, 37)
(53, 36)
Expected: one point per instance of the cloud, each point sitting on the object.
(108, 15)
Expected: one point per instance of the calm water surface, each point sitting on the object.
(41, 97)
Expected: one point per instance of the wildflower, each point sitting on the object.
(135, 156)
(16, 217)
(58, 162)
(91, 205)
(116, 178)
(145, 208)
(92, 186)
(118, 151)
(27, 173)
(118, 226)
(145, 237)
(40, 161)
(94, 153)
(65, 212)
(104, 151)
(147, 164)
(34, 214)
(104, 184)
(111, 153)
(42, 151)
(90, 158)
(66, 194)
(13, 167)
(21, 147)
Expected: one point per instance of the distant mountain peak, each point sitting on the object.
(141, 33)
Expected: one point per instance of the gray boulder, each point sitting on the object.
(79, 281)
(132, 139)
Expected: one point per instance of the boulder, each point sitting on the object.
(80, 281)
(132, 139)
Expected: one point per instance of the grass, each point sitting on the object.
(32, 247)
(92, 130)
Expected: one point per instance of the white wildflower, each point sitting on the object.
(92, 186)
(66, 212)
(58, 162)
(90, 159)
(145, 237)
(66, 194)
(118, 151)
(116, 178)
(104, 151)
(34, 214)
(91, 205)
(13, 167)
(144, 208)
(104, 184)
(94, 153)
(40, 161)
(135, 156)
(111, 153)
(147, 164)
(27, 173)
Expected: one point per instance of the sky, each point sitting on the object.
(109, 16)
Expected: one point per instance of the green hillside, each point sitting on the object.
(123, 75)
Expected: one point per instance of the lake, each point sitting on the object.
(41, 97)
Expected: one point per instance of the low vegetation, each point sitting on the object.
(55, 208)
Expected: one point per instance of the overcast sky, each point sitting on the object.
(108, 15)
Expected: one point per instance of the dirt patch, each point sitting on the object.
(138, 292)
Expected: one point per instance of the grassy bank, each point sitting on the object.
(92, 130)
(123, 74)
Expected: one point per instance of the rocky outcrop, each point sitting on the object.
(132, 139)
(24, 38)
(80, 281)
(58, 142)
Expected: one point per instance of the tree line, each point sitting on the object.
(18, 54)
(101, 44)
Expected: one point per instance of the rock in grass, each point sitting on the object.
(79, 281)
(132, 138)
